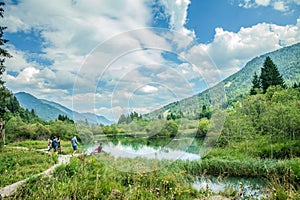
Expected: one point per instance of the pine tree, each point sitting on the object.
(270, 75)
(3, 91)
(3, 54)
(255, 84)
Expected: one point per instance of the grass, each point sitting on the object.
(38, 145)
(90, 178)
(18, 164)
(104, 177)
(31, 144)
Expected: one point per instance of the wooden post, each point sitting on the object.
(2, 130)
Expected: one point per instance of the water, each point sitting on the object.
(245, 188)
(183, 149)
(134, 150)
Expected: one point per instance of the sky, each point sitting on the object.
(119, 56)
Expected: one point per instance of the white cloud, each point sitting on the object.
(297, 2)
(70, 31)
(115, 69)
(148, 89)
(280, 5)
(229, 51)
(177, 11)
(262, 2)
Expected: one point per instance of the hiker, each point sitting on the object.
(49, 145)
(58, 145)
(55, 144)
(98, 149)
(74, 145)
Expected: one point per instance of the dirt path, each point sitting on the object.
(11, 189)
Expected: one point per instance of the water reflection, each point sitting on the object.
(246, 188)
(151, 148)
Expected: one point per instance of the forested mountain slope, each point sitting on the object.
(287, 60)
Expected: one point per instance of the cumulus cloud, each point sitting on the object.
(177, 12)
(229, 51)
(101, 65)
(280, 5)
(262, 2)
(70, 30)
(148, 89)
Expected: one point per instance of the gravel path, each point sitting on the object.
(11, 189)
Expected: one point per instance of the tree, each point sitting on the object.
(270, 75)
(255, 85)
(3, 91)
(122, 119)
(203, 127)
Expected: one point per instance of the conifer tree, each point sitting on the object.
(4, 93)
(255, 84)
(3, 54)
(270, 75)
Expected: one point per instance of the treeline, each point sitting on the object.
(18, 128)
(272, 111)
(275, 116)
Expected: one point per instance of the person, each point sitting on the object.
(74, 145)
(58, 145)
(99, 149)
(55, 144)
(49, 145)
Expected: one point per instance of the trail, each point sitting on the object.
(11, 189)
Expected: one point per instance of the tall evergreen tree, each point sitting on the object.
(4, 93)
(255, 84)
(3, 54)
(270, 75)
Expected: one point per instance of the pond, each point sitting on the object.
(249, 188)
(169, 149)
(174, 149)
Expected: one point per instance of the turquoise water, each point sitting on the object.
(151, 149)
(242, 188)
(182, 149)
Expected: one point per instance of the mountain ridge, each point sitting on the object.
(287, 60)
(49, 110)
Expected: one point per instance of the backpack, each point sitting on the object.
(54, 143)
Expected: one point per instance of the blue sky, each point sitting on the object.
(109, 57)
(205, 16)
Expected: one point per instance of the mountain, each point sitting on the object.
(49, 110)
(287, 60)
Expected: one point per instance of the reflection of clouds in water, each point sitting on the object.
(160, 153)
(251, 188)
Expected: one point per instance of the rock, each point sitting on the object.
(115, 194)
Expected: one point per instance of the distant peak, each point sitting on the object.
(24, 94)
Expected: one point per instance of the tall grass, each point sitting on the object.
(105, 177)
(90, 178)
(248, 167)
(18, 164)
(43, 144)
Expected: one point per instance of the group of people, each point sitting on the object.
(55, 145)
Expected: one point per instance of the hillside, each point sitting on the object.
(49, 110)
(287, 60)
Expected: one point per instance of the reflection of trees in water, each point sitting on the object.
(190, 145)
